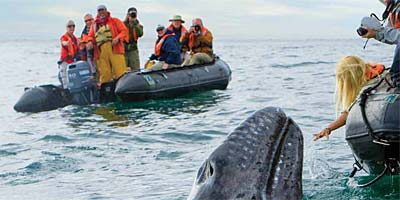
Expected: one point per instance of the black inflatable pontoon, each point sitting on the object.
(373, 127)
(139, 86)
(81, 91)
(133, 86)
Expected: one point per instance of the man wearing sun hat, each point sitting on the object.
(69, 51)
(180, 31)
(107, 36)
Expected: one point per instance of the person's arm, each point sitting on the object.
(90, 37)
(139, 29)
(206, 40)
(339, 122)
(388, 35)
(122, 31)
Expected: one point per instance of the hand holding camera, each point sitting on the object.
(369, 26)
(195, 29)
(133, 14)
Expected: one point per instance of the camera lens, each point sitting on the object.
(362, 31)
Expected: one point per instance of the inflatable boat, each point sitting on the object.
(373, 127)
(139, 86)
(133, 86)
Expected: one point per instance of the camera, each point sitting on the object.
(197, 27)
(370, 22)
(132, 14)
(362, 31)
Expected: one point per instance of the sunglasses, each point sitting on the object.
(71, 26)
(101, 9)
(88, 20)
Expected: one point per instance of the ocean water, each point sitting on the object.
(152, 150)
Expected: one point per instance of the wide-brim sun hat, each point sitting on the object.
(177, 18)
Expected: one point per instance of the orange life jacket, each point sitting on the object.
(374, 71)
(72, 48)
(203, 32)
(159, 43)
(183, 29)
(118, 30)
(394, 18)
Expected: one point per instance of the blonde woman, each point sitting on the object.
(352, 73)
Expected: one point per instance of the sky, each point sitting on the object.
(281, 19)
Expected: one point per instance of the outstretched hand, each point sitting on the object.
(321, 134)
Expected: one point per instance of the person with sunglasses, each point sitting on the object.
(85, 54)
(107, 35)
(135, 32)
(166, 50)
(69, 52)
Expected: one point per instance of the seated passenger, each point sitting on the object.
(352, 74)
(180, 31)
(166, 50)
(200, 44)
(69, 52)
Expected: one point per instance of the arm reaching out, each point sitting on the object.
(339, 122)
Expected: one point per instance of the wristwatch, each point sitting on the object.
(329, 130)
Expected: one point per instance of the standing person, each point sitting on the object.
(390, 35)
(352, 74)
(106, 36)
(166, 50)
(180, 31)
(86, 54)
(200, 44)
(69, 52)
(135, 32)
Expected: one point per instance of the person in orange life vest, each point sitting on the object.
(200, 44)
(352, 74)
(106, 36)
(390, 35)
(69, 52)
(166, 50)
(135, 32)
(180, 31)
(84, 52)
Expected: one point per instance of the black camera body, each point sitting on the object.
(132, 14)
(197, 27)
(362, 31)
(370, 22)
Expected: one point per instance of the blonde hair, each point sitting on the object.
(350, 78)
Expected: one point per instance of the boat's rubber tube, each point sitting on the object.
(382, 112)
(139, 86)
(43, 98)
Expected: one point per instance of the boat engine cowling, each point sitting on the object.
(82, 83)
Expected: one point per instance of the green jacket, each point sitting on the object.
(133, 28)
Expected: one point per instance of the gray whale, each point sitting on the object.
(261, 159)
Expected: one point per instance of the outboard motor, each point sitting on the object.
(82, 84)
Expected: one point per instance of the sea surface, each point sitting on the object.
(153, 149)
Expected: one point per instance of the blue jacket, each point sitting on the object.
(170, 51)
(176, 32)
